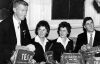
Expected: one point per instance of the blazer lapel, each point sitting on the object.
(95, 39)
(85, 41)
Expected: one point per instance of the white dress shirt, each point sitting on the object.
(17, 30)
(63, 43)
(89, 35)
(43, 44)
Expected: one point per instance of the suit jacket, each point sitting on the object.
(58, 49)
(82, 40)
(8, 39)
(25, 34)
(39, 52)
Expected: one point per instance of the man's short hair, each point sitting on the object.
(18, 2)
(86, 19)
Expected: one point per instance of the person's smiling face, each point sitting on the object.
(42, 31)
(89, 26)
(63, 32)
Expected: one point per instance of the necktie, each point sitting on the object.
(18, 25)
(19, 35)
(90, 41)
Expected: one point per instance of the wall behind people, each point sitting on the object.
(91, 11)
(39, 10)
(53, 32)
(42, 10)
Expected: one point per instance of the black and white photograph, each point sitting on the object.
(49, 31)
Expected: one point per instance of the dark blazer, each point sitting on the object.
(58, 49)
(39, 52)
(82, 40)
(8, 39)
(25, 34)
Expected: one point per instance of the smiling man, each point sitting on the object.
(89, 38)
(11, 31)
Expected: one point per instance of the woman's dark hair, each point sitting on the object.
(45, 24)
(66, 25)
(84, 22)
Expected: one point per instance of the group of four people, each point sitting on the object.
(14, 32)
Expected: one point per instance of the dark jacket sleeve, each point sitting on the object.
(81, 40)
(77, 46)
(6, 46)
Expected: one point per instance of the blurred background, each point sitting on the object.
(5, 8)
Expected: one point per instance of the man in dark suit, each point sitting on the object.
(12, 33)
(89, 36)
